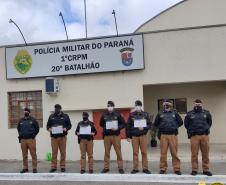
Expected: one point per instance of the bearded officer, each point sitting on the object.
(28, 128)
(168, 121)
(198, 123)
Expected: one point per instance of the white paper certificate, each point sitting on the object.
(85, 130)
(112, 124)
(140, 123)
(57, 130)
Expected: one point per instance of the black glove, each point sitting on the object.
(19, 138)
(189, 135)
(153, 142)
(159, 135)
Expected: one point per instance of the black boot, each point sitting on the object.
(134, 171)
(146, 171)
(52, 170)
(121, 171)
(208, 173)
(105, 171)
(194, 173)
(24, 171)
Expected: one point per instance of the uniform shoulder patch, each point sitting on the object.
(161, 115)
(206, 111)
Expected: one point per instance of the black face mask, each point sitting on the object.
(57, 111)
(26, 114)
(167, 106)
(198, 108)
(85, 118)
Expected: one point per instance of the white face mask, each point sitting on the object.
(110, 109)
(138, 108)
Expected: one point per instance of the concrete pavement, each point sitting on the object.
(9, 171)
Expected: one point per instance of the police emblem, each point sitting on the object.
(127, 57)
(22, 61)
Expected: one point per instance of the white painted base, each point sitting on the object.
(76, 177)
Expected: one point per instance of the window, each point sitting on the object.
(180, 104)
(17, 101)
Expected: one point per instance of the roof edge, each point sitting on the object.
(162, 12)
(67, 41)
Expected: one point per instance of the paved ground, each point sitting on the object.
(82, 183)
(218, 168)
(13, 167)
(217, 157)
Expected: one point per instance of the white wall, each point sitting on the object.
(213, 95)
(190, 13)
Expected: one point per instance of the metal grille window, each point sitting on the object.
(17, 101)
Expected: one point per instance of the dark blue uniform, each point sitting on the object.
(59, 140)
(198, 123)
(112, 137)
(28, 128)
(139, 137)
(112, 116)
(168, 123)
(86, 144)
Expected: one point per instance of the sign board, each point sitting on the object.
(108, 54)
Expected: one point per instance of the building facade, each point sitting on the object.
(184, 59)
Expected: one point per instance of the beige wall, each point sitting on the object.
(185, 56)
(190, 13)
(213, 95)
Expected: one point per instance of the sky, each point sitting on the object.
(39, 20)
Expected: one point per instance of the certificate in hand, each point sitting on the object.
(140, 123)
(85, 130)
(57, 130)
(112, 125)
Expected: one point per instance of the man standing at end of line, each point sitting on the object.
(28, 128)
(198, 122)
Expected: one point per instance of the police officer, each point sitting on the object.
(28, 128)
(137, 129)
(168, 121)
(198, 122)
(58, 125)
(85, 139)
(112, 122)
